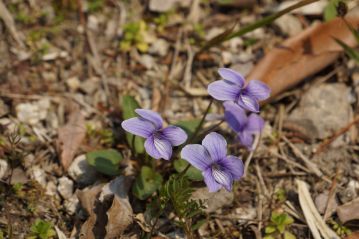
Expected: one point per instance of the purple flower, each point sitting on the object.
(218, 169)
(233, 88)
(159, 140)
(244, 126)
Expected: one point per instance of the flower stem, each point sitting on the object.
(194, 135)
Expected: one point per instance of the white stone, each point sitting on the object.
(65, 187)
(161, 5)
(38, 174)
(71, 204)
(159, 47)
(51, 189)
(3, 168)
(82, 172)
(289, 24)
(33, 113)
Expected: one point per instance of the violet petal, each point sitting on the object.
(235, 116)
(138, 126)
(255, 123)
(234, 165)
(216, 146)
(232, 76)
(223, 177)
(246, 139)
(175, 135)
(158, 148)
(224, 90)
(211, 183)
(257, 89)
(152, 116)
(248, 102)
(197, 156)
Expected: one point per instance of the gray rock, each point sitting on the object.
(213, 201)
(4, 109)
(39, 175)
(71, 204)
(326, 107)
(82, 172)
(65, 187)
(289, 24)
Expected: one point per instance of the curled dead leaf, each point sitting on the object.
(71, 136)
(305, 54)
(109, 209)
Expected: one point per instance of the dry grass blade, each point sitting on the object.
(304, 54)
(10, 24)
(316, 224)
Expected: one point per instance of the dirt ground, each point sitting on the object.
(66, 65)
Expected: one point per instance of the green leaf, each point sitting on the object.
(189, 126)
(192, 173)
(105, 161)
(330, 11)
(288, 220)
(270, 229)
(129, 104)
(42, 229)
(351, 52)
(288, 235)
(268, 237)
(147, 182)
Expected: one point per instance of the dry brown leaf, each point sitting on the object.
(304, 54)
(70, 137)
(120, 213)
(349, 211)
(109, 209)
(353, 235)
(87, 198)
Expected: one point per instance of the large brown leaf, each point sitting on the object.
(304, 54)
(70, 137)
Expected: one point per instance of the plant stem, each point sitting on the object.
(194, 135)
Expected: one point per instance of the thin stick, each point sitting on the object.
(327, 142)
(250, 156)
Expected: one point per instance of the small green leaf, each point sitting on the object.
(351, 52)
(330, 11)
(192, 173)
(129, 104)
(270, 229)
(288, 220)
(42, 229)
(288, 235)
(147, 182)
(189, 126)
(105, 161)
(268, 237)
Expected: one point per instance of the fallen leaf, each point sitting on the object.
(109, 209)
(305, 54)
(70, 137)
(353, 235)
(87, 199)
(120, 213)
(349, 211)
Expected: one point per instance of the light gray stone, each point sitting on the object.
(82, 172)
(65, 187)
(325, 107)
(213, 201)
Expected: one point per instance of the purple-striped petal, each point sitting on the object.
(138, 126)
(234, 165)
(158, 148)
(223, 177)
(216, 146)
(248, 102)
(152, 116)
(211, 183)
(232, 76)
(246, 139)
(258, 90)
(224, 90)
(255, 124)
(235, 116)
(175, 135)
(197, 156)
